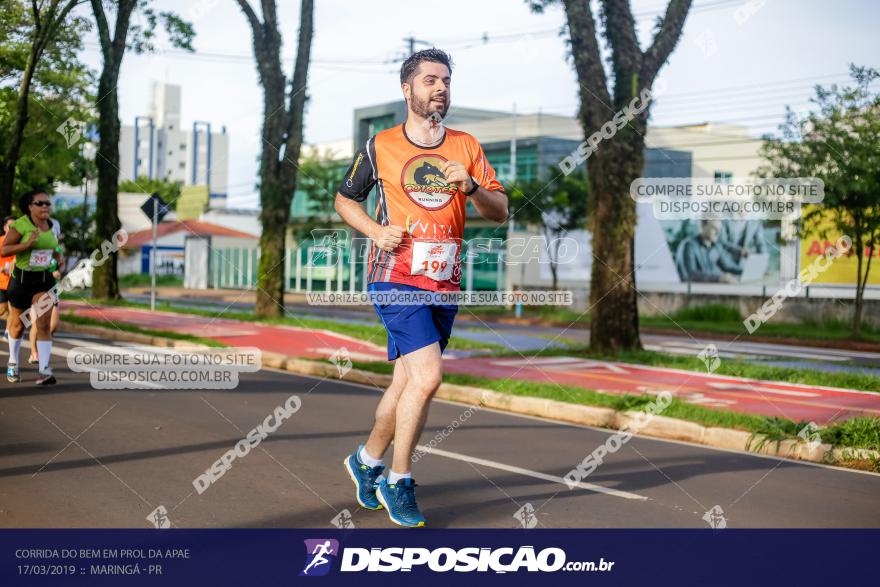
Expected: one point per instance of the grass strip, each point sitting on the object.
(860, 432)
(732, 367)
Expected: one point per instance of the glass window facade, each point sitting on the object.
(526, 163)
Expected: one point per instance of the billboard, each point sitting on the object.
(818, 237)
(192, 202)
(723, 251)
(682, 251)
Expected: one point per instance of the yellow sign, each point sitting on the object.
(192, 202)
(815, 241)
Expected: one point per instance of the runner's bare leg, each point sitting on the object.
(383, 428)
(424, 370)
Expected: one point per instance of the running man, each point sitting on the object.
(319, 559)
(33, 243)
(6, 264)
(424, 174)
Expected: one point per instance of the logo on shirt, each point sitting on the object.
(350, 181)
(424, 182)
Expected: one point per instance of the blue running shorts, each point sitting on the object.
(411, 327)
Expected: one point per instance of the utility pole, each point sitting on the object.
(513, 148)
(412, 42)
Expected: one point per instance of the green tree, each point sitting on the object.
(114, 41)
(168, 190)
(320, 176)
(43, 86)
(78, 229)
(283, 110)
(556, 206)
(838, 142)
(618, 160)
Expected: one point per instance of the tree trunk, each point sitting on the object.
(618, 160)
(861, 282)
(554, 263)
(282, 140)
(270, 283)
(105, 284)
(273, 215)
(614, 319)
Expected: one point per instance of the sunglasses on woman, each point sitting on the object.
(42, 203)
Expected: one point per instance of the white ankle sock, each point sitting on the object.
(14, 347)
(395, 477)
(44, 348)
(368, 460)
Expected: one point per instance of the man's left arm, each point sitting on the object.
(490, 203)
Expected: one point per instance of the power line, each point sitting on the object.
(484, 38)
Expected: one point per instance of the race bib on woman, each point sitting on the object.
(40, 257)
(434, 259)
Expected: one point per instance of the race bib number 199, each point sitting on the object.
(40, 257)
(434, 259)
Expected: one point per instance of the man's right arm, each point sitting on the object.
(359, 180)
(386, 238)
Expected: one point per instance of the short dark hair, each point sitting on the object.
(409, 67)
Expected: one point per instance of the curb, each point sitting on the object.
(657, 426)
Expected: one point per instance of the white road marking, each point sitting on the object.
(528, 473)
(563, 363)
(758, 388)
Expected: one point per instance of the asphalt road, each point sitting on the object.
(74, 456)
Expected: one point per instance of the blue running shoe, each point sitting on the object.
(12, 375)
(400, 501)
(364, 478)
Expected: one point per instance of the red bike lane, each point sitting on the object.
(306, 343)
(768, 398)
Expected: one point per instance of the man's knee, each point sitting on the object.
(426, 383)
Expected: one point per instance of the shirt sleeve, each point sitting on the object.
(483, 172)
(361, 175)
(22, 226)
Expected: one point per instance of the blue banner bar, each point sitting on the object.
(434, 557)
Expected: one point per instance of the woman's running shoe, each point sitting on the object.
(12, 375)
(46, 377)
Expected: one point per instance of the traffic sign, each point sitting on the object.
(155, 200)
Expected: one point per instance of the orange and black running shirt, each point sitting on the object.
(413, 193)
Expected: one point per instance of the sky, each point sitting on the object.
(738, 62)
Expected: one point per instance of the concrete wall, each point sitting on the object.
(793, 310)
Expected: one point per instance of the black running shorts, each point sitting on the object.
(24, 285)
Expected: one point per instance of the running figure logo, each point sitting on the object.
(72, 131)
(320, 554)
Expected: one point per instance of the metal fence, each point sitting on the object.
(322, 268)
